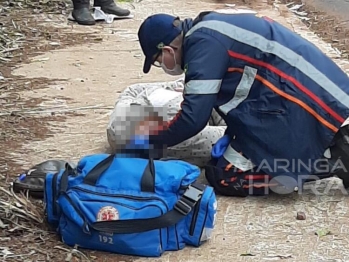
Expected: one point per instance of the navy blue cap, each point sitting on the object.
(154, 33)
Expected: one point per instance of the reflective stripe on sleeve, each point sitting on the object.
(202, 87)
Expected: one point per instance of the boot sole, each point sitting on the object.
(86, 22)
(83, 22)
(120, 15)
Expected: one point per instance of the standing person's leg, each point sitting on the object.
(109, 7)
(82, 13)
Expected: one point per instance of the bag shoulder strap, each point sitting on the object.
(147, 180)
(182, 208)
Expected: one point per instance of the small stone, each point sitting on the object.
(301, 216)
(54, 43)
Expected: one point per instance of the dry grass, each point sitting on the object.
(25, 119)
(12, 33)
(20, 216)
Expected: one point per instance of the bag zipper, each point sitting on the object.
(270, 111)
(54, 192)
(31, 189)
(194, 218)
(119, 195)
(24, 186)
(28, 187)
(120, 204)
(206, 215)
(77, 210)
(37, 174)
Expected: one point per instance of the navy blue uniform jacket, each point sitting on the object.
(281, 97)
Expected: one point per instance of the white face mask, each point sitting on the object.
(175, 71)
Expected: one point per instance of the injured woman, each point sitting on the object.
(167, 96)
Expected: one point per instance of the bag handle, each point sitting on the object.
(182, 208)
(147, 181)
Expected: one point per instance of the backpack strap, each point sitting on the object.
(97, 171)
(148, 178)
(182, 208)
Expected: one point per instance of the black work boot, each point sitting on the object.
(109, 7)
(82, 13)
(340, 155)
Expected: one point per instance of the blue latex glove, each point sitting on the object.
(220, 146)
(139, 142)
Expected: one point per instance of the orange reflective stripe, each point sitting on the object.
(291, 79)
(223, 183)
(229, 166)
(291, 98)
(255, 177)
(234, 178)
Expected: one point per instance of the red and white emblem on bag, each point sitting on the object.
(107, 213)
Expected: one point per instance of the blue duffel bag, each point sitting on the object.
(130, 206)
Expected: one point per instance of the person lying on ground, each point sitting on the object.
(281, 97)
(166, 96)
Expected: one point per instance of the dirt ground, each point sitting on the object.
(56, 96)
(326, 18)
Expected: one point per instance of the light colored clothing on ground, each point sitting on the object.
(166, 95)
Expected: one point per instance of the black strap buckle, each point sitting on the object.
(189, 199)
(182, 207)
